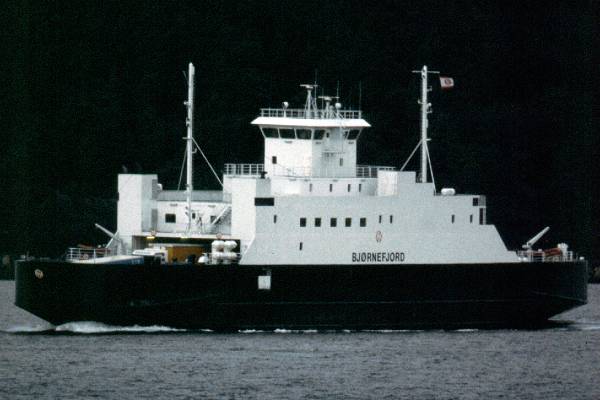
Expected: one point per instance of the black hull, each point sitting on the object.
(226, 297)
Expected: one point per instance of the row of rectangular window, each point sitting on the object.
(333, 222)
(310, 187)
(363, 221)
(306, 134)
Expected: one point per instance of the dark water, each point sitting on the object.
(86, 360)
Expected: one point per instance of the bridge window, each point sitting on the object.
(170, 218)
(363, 222)
(317, 222)
(287, 133)
(348, 222)
(333, 222)
(270, 132)
(319, 133)
(303, 222)
(353, 134)
(303, 133)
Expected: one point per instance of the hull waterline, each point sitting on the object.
(228, 297)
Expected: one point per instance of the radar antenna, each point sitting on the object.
(310, 108)
(328, 111)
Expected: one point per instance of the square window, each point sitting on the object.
(341, 162)
(380, 218)
(274, 160)
(170, 218)
(287, 133)
(475, 201)
(333, 222)
(331, 187)
(302, 222)
(271, 132)
(274, 219)
(310, 187)
(303, 133)
(360, 187)
(471, 218)
(391, 219)
(349, 187)
(363, 222)
(348, 222)
(452, 218)
(317, 222)
(300, 247)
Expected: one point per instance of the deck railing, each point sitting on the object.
(244, 169)
(75, 254)
(362, 171)
(371, 171)
(546, 256)
(313, 114)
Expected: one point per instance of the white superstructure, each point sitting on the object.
(309, 202)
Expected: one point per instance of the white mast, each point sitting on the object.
(189, 143)
(424, 123)
(425, 109)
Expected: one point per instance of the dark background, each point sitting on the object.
(90, 89)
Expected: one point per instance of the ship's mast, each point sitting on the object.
(425, 109)
(190, 145)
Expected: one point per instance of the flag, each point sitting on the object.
(446, 83)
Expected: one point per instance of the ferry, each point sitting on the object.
(308, 239)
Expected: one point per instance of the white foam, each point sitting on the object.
(586, 327)
(90, 327)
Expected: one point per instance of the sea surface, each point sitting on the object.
(94, 361)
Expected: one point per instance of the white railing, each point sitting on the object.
(244, 169)
(313, 114)
(552, 255)
(370, 171)
(75, 254)
(362, 171)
